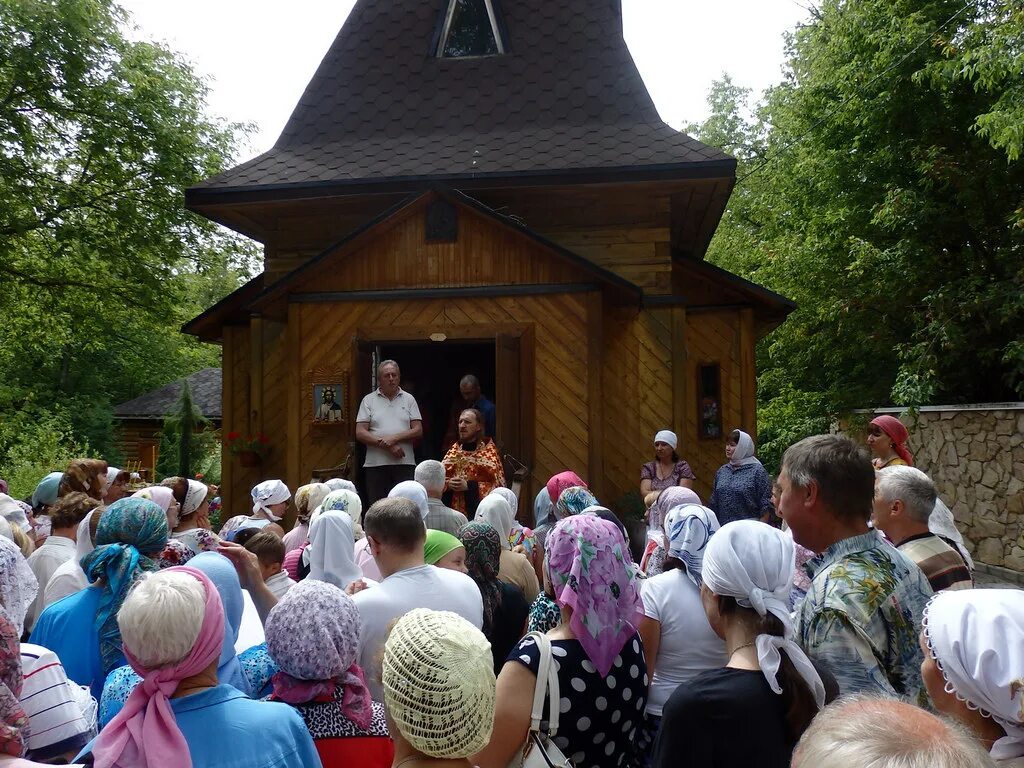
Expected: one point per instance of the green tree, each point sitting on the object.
(100, 263)
(878, 188)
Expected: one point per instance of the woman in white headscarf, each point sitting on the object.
(416, 493)
(330, 555)
(269, 503)
(742, 489)
(973, 666)
(514, 568)
(667, 469)
(752, 712)
(192, 528)
(679, 644)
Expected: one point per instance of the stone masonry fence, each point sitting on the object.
(975, 455)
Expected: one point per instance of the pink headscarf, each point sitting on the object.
(898, 433)
(561, 481)
(158, 494)
(145, 732)
(591, 573)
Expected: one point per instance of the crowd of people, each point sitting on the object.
(816, 619)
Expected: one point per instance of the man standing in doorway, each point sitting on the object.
(470, 396)
(387, 423)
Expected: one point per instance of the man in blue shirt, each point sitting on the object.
(470, 397)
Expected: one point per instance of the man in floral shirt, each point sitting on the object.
(862, 614)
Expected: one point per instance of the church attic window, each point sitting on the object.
(470, 29)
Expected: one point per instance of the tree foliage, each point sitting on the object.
(880, 187)
(100, 263)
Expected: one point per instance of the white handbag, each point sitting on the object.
(539, 750)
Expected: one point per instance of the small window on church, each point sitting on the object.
(470, 29)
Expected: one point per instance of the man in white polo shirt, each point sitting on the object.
(387, 423)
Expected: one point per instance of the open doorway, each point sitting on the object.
(431, 372)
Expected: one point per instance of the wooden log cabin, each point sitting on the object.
(485, 186)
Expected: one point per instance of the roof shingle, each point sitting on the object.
(206, 386)
(567, 97)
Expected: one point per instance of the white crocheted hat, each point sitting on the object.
(438, 680)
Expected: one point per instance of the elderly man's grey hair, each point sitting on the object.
(911, 486)
(470, 379)
(384, 364)
(870, 732)
(161, 617)
(430, 474)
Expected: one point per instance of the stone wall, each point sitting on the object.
(975, 455)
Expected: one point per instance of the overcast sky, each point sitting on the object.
(259, 54)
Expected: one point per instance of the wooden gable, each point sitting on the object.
(439, 241)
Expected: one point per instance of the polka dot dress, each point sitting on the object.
(598, 716)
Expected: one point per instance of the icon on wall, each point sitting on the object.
(328, 403)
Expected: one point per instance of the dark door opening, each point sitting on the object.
(431, 372)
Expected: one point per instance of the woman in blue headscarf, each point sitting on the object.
(82, 628)
(249, 672)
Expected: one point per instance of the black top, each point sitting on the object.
(724, 718)
(599, 716)
(509, 624)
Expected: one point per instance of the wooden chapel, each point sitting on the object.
(485, 186)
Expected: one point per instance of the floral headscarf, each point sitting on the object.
(313, 635)
(14, 728)
(591, 574)
(86, 475)
(573, 501)
(18, 585)
(561, 481)
(130, 534)
(483, 555)
(688, 529)
(674, 496)
(343, 501)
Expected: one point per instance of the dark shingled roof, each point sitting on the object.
(206, 386)
(566, 99)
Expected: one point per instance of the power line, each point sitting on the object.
(793, 142)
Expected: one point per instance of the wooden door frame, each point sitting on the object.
(485, 333)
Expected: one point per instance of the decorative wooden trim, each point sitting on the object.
(293, 429)
(680, 376)
(748, 372)
(595, 392)
(468, 292)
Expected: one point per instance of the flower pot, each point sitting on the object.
(249, 458)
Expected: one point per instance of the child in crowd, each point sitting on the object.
(269, 550)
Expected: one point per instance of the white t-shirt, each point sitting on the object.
(44, 562)
(424, 586)
(688, 645)
(388, 417)
(68, 579)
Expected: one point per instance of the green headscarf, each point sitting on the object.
(437, 545)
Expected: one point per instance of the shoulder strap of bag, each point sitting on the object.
(546, 687)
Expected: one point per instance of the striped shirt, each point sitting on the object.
(942, 565)
(62, 715)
